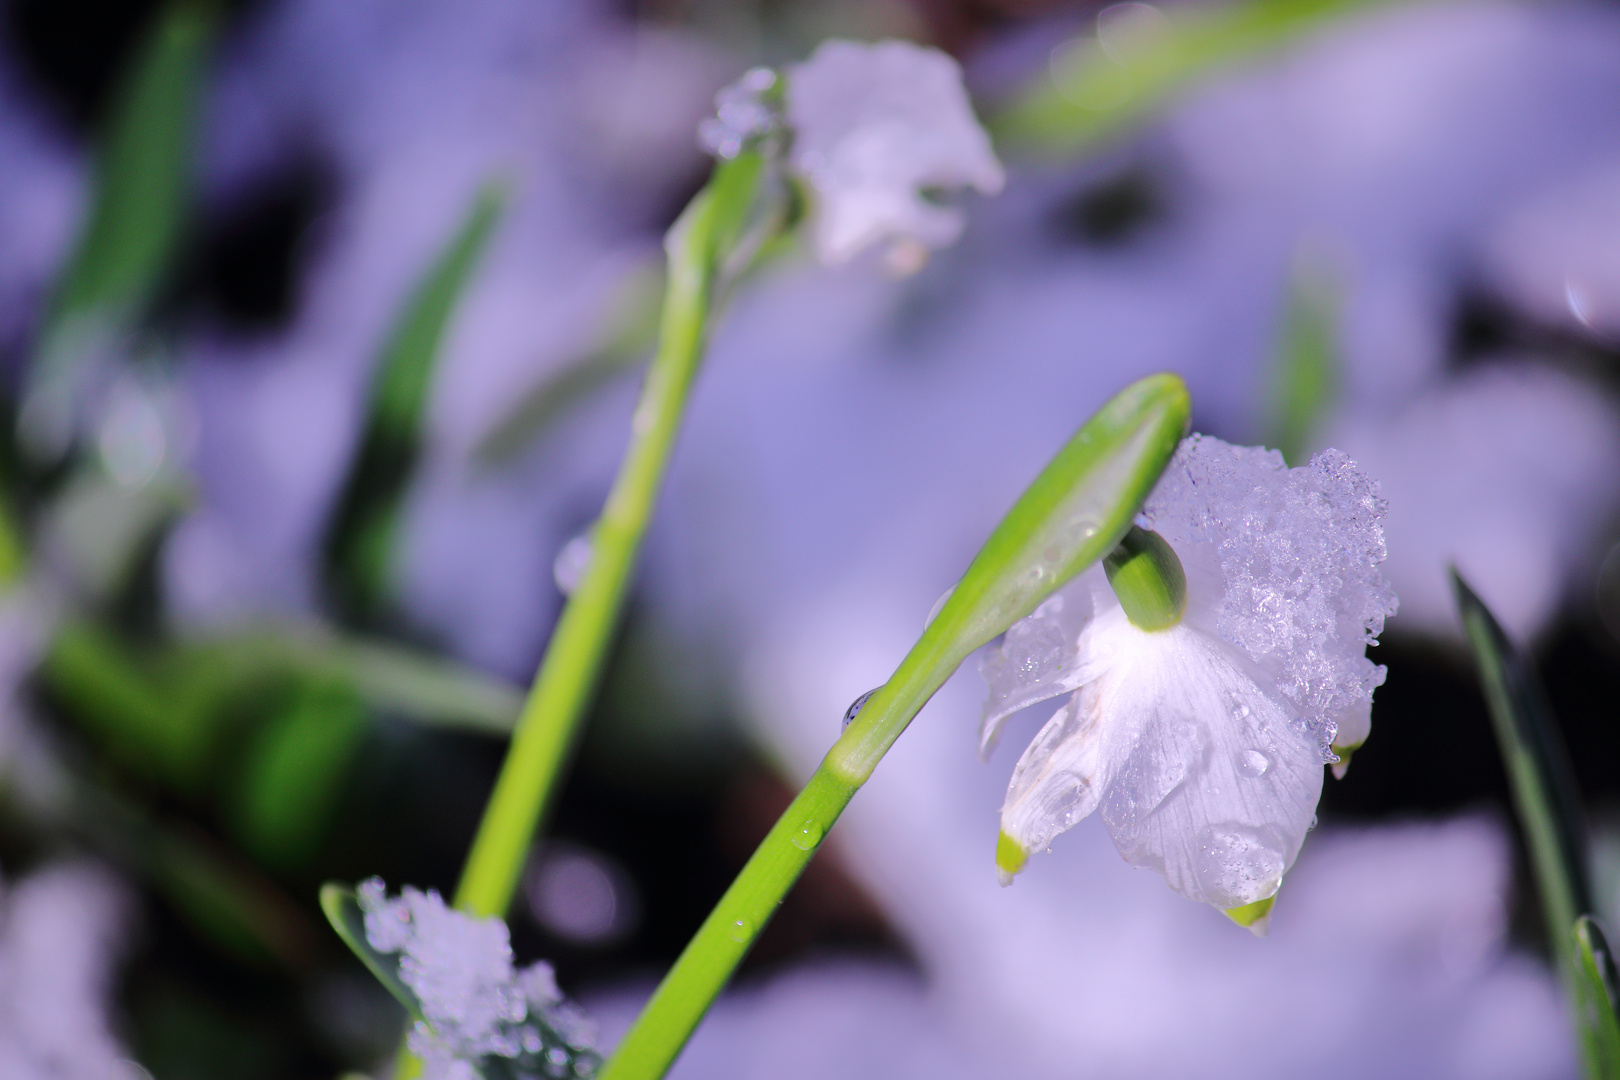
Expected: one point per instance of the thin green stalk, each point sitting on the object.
(1073, 514)
(698, 246)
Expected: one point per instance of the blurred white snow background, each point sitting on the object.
(853, 437)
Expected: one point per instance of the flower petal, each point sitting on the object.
(1036, 660)
(1060, 778)
(1221, 783)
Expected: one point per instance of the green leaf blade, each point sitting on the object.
(342, 909)
(359, 541)
(1595, 1006)
(1545, 798)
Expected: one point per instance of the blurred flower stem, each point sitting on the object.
(1074, 513)
(1099, 86)
(700, 246)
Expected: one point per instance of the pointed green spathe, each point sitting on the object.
(1074, 513)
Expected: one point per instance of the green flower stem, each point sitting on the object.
(698, 246)
(1073, 514)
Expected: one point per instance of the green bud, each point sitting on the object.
(1148, 579)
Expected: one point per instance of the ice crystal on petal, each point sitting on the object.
(744, 115)
(481, 1016)
(1201, 745)
(1296, 552)
(876, 129)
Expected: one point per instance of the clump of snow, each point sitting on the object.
(1506, 471)
(481, 1015)
(876, 129)
(61, 928)
(1297, 552)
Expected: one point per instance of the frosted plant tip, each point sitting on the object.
(1011, 858)
(748, 113)
(1256, 917)
(1213, 662)
(481, 1016)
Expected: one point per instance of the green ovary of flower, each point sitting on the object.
(1148, 579)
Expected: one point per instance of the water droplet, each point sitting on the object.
(1240, 712)
(741, 930)
(858, 704)
(939, 605)
(808, 836)
(1253, 764)
(571, 563)
(1237, 865)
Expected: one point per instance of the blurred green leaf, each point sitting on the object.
(1305, 375)
(142, 189)
(1098, 86)
(407, 682)
(360, 535)
(164, 728)
(342, 908)
(1597, 982)
(292, 773)
(1544, 793)
(629, 334)
(228, 903)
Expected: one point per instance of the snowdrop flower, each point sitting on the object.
(876, 131)
(1216, 661)
(476, 1007)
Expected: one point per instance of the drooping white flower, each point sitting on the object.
(876, 131)
(1201, 741)
(876, 127)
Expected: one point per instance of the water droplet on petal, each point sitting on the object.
(1237, 865)
(1253, 764)
(858, 704)
(808, 836)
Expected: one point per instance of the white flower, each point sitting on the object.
(877, 132)
(875, 127)
(1202, 743)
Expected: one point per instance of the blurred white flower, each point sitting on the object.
(877, 130)
(1201, 737)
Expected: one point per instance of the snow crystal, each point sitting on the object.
(874, 128)
(744, 114)
(476, 1006)
(1295, 554)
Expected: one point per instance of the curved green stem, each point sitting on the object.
(698, 245)
(1073, 514)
